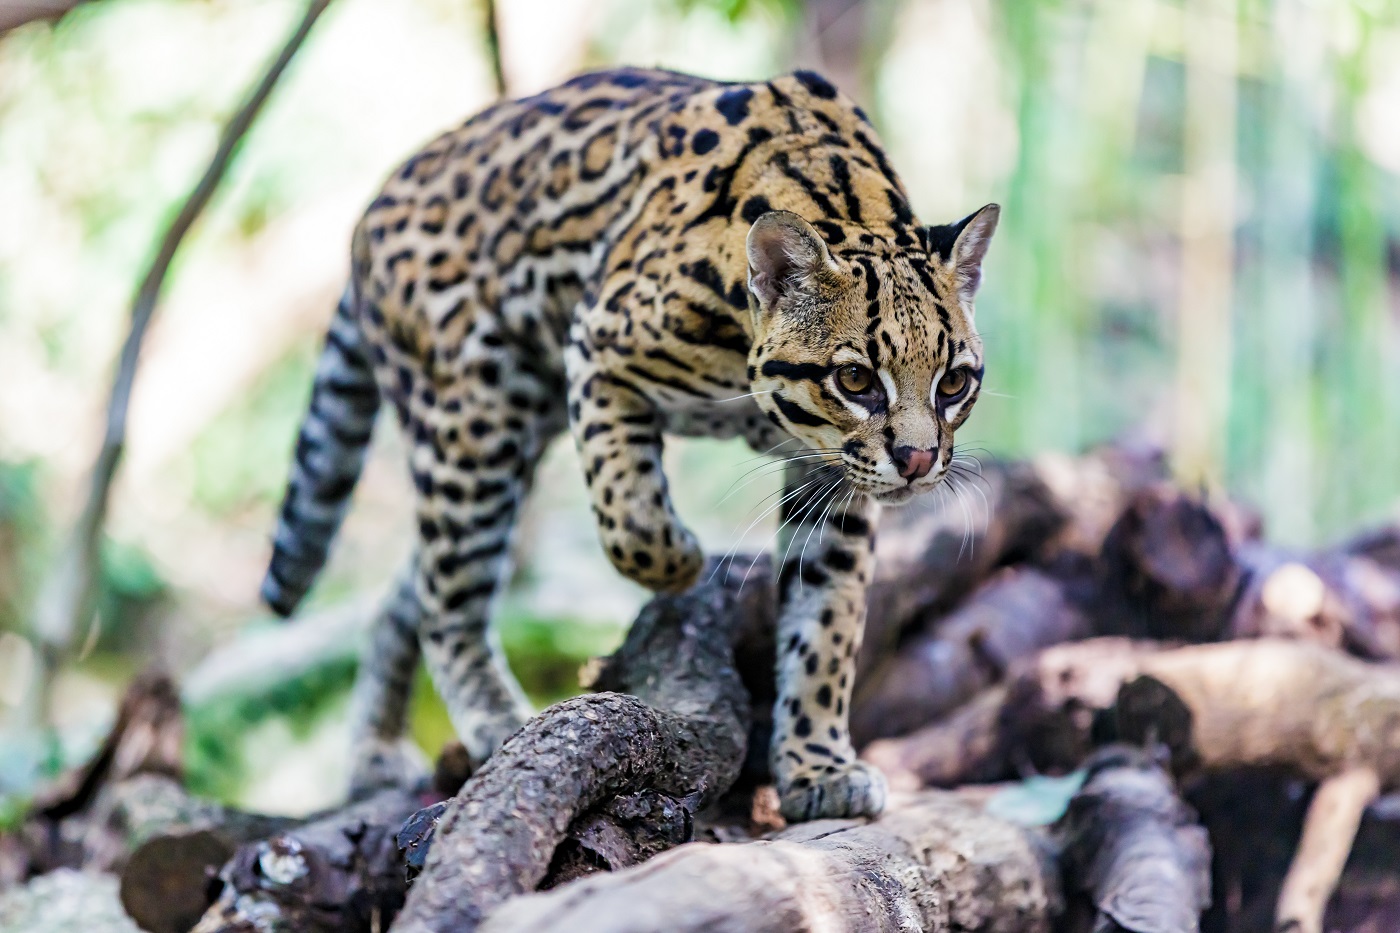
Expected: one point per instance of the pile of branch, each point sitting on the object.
(1092, 620)
(1176, 626)
(580, 805)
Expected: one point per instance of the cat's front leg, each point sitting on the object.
(618, 433)
(825, 560)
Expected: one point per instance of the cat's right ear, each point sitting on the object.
(784, 253)
(962, 247)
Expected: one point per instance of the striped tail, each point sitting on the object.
(330, 454)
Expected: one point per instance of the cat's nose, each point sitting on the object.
(911, 462)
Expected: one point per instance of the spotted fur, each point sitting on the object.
(630, 255)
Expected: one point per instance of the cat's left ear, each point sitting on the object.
(962, 247)
(785, 253)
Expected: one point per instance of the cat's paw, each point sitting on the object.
(835, 791)
(667, 559)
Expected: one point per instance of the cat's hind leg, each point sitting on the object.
(478, 428)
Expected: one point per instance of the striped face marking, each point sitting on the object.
(866, 351)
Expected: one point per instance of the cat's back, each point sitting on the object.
(509, 213)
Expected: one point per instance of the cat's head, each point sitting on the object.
(866, 350)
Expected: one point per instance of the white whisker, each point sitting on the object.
(747, 395)
(766, 512)
(825, 490)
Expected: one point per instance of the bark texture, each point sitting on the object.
(1135, 857)
(1013, 615)
(682, 733)
(932, 863)
(337, 873)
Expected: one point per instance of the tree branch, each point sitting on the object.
(67, 595)
(931, 862)
(675, 721)
(492, 36)
(1328, 832)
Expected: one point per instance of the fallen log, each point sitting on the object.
(1167, 570)
(680, 729)
(94, 815)
(1017, 612)
(933, 863)
(171, 843)
(1336, 598)
(929, 556)
(346, 870)
(1178, 568)
(1093, 489)
(1314, 712)
(1135, 858)
(341, 872)
(1039, 720)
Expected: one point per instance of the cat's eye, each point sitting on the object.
(953, 384)
(855, 379)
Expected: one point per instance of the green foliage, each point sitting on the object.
(27, 758)
(22, 539)
(736, 10)
(215, 731)
(546, 654)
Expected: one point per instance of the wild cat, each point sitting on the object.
(633, 254)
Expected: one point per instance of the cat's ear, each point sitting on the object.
(784, 252)
(962, 246)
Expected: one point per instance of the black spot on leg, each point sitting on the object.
(840, 561)
(824, 696)
(802, 728)
(852, 525)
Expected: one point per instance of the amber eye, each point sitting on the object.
(855, 379)
(953, 383)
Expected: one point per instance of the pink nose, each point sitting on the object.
(912, 463)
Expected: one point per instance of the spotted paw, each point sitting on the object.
(377, 764)
(669, 563)
(833, 792)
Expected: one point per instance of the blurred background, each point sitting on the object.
(1200, 248)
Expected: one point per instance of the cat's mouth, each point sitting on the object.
(896, 496)
(899, 495)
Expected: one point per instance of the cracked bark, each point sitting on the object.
(682, 732)
(932, 862)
